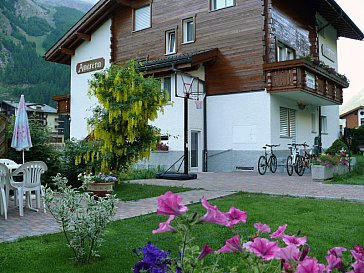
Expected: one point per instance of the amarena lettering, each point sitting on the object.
(89, 66)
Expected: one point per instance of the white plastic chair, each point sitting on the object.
(31, 181)
(7, 161)
(4, 176)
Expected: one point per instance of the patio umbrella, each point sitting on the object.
(21, 135)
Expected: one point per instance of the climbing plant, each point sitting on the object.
(120, 123)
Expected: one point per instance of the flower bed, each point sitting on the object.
(264, 251)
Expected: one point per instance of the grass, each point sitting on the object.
(326, 224)
(355, 177)
(132, 192)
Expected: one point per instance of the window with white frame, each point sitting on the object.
(170, 41)
(142, 18)
(285, 53)
(167, 86)
(188, 30)
(220, 4)
(324, 124)
(287, 127)
(313, 122)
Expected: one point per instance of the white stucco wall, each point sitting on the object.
(328, 38)
(238, 121)
(98, 47)
(333, 126)
(171, 121)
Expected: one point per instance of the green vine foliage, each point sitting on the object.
(127, 102)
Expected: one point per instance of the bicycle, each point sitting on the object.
(264, 161)
(292, 160)
(305, 159)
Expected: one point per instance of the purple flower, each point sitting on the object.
(262, 228)
(262, 248)
(213, 214)
(154, 260)
(337, 251)
(288, 253)
(231, 245)
(293, 240)
(206, 250)
(170, 204)
(235, 216)
(310, 265)
(280, 232)
(165, 226)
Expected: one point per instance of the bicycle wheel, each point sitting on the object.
(289, 165)
(273, 163)
(262, 165)
(299, 167)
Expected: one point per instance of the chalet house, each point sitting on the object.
(269, 68)
(44, 113)
(353, 118)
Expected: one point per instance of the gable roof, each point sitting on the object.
(63, 49)
(351, 111)
(33, 107)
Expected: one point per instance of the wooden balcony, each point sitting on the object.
(63, 104)
(305, 78)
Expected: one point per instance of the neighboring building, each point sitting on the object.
(42, 112)
(259, 89)
(353, 118)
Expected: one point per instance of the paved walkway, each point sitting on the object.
(210, 185)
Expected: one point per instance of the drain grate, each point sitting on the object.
(241, 168)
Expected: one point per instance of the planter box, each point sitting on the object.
(341, 169)
(322, 173)
(101, 189)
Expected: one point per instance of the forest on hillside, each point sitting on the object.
(22, 67)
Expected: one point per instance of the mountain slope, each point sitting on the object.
(27, 30)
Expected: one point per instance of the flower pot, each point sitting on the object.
(101, 189)
(322, 173)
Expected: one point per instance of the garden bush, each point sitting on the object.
(336, 146)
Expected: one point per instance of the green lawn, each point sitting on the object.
(355, 177)
(326, 223)
(131, 192)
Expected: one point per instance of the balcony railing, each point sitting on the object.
(303, 75)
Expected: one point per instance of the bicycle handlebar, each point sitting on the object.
(272, 145)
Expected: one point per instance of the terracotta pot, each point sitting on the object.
(101, 189)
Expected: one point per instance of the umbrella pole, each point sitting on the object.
(23, 157)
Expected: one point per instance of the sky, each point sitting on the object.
(350, 52)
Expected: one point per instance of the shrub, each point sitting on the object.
(336, 146)
(82, 217)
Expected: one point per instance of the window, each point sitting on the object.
(287, 126)
(170, 42)
(324, 124)
(167, 86)
(142, 18)
(188, 30)
(313, 122)
(163, 145)
(285, 53)
(220, 4)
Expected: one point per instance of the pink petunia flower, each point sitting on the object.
(333, 262)
(231, 245)
(293, 240)
(357, 256)
(310, 265)
(279, 233)
(206, 250)
(337, 251)
(359, 249)
(262, 248)
(235, 216)
(358, 267)
(262, 228)
(288, 253)
(213, 214)
(170, 204)
(165, 226)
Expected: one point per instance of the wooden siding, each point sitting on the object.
(236, 31)
(3, 138)
(352, 120)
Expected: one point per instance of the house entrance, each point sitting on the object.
(195, 151)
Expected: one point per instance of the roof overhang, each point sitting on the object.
(352, 111)
(335, 15)
(187, 61)
(64, 48)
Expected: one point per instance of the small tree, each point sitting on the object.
(128, 101)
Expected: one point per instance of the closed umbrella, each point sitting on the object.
(21, 135)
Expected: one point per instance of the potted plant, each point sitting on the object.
(99, 184)
(326, 165)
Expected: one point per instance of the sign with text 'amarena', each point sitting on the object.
(89, 66)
